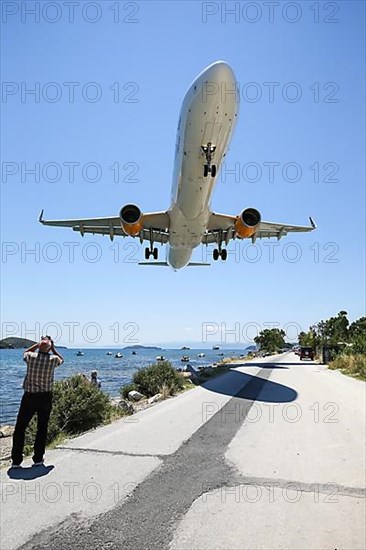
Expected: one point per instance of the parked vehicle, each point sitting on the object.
(307, 353)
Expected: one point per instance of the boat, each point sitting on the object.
(215, 347)
(109, 353)
(185, 359)
(201, 355)
(79, 353)
(118, 355)
(160, 358)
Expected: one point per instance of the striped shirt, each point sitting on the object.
(40, 370)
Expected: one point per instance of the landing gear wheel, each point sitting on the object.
(205, 171)
(155, 253)
(224, 254)
(215, 254)
(147, 253)
(213, 170)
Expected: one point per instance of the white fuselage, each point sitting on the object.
(208, 114)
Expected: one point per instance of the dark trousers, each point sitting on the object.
(40, 403)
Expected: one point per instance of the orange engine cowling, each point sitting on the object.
(131, 219)
(246, 224)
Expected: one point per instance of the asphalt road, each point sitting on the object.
(270, 455)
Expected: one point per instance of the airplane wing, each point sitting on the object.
(155, 225)
(221, 227)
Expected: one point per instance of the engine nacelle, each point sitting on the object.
(131, 219)
(246, 224)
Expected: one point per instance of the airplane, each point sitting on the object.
(206, 123)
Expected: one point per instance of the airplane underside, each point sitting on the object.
(207, 119)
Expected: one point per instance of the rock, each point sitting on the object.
(115, 401)
(155, 398)
(5, 448)
(192, 372)
(135, 395)
(6, 431)
(126, 407)
(186, 374)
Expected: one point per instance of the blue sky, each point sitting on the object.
(127, 79)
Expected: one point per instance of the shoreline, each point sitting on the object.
(146, 403)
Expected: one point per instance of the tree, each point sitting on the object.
(357, 335)
(270, 339)
(358, 328)
(334, 330)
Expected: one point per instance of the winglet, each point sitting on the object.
(40, 219)
(313, 224)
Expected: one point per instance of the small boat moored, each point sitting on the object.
(160, 358)
(185, 359)
(79, 353)
(118, 355)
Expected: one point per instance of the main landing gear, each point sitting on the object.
(209, 150)
(218, 252)
(150, 250)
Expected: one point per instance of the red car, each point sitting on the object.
(307, 353)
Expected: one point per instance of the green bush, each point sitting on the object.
(77, 406)
(354, 365)
(158, 378)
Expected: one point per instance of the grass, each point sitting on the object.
(352, 365)
(187, 385)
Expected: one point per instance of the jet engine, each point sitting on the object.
(131, 219)
(246, 224)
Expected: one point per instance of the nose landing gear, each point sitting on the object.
(151, 252)
(209, 150)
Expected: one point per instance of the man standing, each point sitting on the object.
(95, 380)
(37, 398)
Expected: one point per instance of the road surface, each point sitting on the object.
(269, 455)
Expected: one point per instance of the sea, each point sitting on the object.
(113, 373)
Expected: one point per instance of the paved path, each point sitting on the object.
(269, 455)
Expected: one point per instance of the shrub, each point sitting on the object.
(158, 378)
(350, 364)
(77, 406)
(124, 391)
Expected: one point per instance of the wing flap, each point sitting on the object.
(155, 226)
(279, 230)
(221, 228)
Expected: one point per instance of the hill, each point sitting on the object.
(16, 343)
